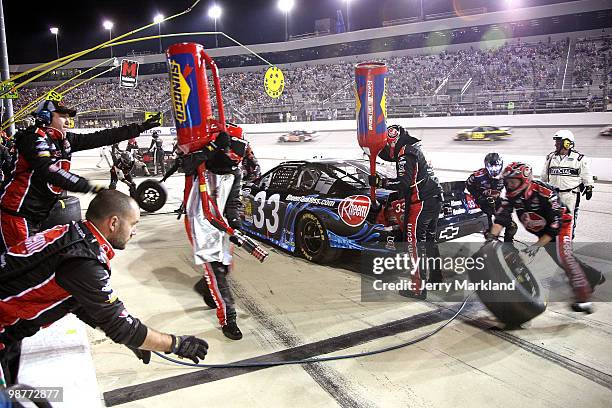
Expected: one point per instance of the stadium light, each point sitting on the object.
(55, 31)
(108, 25)
(214, 12)
(285, 6)
(158, 20)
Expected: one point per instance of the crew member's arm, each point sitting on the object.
(406, 174)
(233, 204)
(108, 137)
(586, 177)
(544, 175)
(503, 218)
(35, 150)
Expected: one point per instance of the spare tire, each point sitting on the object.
(503, 264)
(64, 211)
(151, 195)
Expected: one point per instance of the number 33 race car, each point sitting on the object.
(318, 208)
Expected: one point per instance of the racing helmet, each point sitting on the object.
(395, 133)
(126, 157)
(155, 134)
(517, 178)
(494, 164)
(237, 144)
(564, 138)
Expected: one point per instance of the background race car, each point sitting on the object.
(488, 133)
(319, 208)
(606, 131)
(297, 136)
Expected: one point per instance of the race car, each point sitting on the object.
(297, 136)
(606, 131)
(318, 208)
(487, 133)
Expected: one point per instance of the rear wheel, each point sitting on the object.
(312, 241)
(504, 265)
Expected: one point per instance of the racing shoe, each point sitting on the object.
(231, 330)
(584, 307)
(202, 289)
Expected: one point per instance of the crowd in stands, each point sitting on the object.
(514, 67)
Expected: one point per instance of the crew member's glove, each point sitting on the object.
(234, 222)
(119, 173)
(377, 181)
(189, 347)
(152, 122)
(95, 188)
(532, 250)
(143, 355)
(588, 192)
(490, 237)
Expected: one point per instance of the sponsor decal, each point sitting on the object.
(533, 221)
(563, 171)
(129, 74)
(185, 103)
(311, 200)
(459, 211)
(449, 232)
(370, 98)
(353, 210)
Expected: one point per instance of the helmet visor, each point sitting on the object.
(512, 183)
(494, 169)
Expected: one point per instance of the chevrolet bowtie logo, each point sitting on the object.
(449, 232)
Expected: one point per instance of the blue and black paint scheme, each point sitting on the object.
(274, 203)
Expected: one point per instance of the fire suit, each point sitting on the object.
(250, 166)
(486, 191)
(539, 210)
(157, 149)
(125, 167)
(568, 173)
(40, 173)
(212, 248)
(65, 269)
(423, 198)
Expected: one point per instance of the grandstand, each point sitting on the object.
(557, 60)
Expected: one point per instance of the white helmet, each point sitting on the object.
(566, 137)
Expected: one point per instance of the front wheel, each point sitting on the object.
(312, 241)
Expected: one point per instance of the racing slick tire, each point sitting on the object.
(151, 195)
(302, 139)
(503, 264)
(64, 211)
(312, 242)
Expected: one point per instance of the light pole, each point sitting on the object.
(348, 18)
(286, 6)
(108, 25)
(158, 20)
(215, 13)
(55, 31)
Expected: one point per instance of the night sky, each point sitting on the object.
(251, 22)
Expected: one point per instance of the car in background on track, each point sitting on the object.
(298, 136)
(484, 133)
(319, 208)
(606, 131)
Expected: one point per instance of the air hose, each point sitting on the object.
(324, 359)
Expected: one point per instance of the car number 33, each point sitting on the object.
(259, 216)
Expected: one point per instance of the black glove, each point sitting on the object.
(588, 192)
(189, 347)
(234, 222)
(143, 355)
(152, 122)
(532, 250)
(95, 188)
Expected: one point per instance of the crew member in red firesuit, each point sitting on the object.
(419, 188)
(40, 171)
(541, 213)
(211, 247)
(485, 185)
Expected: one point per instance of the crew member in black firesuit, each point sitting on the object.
(541, 213)
(123, 166)
(419, 188)
(157, 148)
(66, 269)
(250, 166)
(485, 185)
(41, 168)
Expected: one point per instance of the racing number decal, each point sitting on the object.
(259, 217)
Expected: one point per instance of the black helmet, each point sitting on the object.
(494, 164)
(126, 157)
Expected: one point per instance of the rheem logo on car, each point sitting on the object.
(353, 210)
